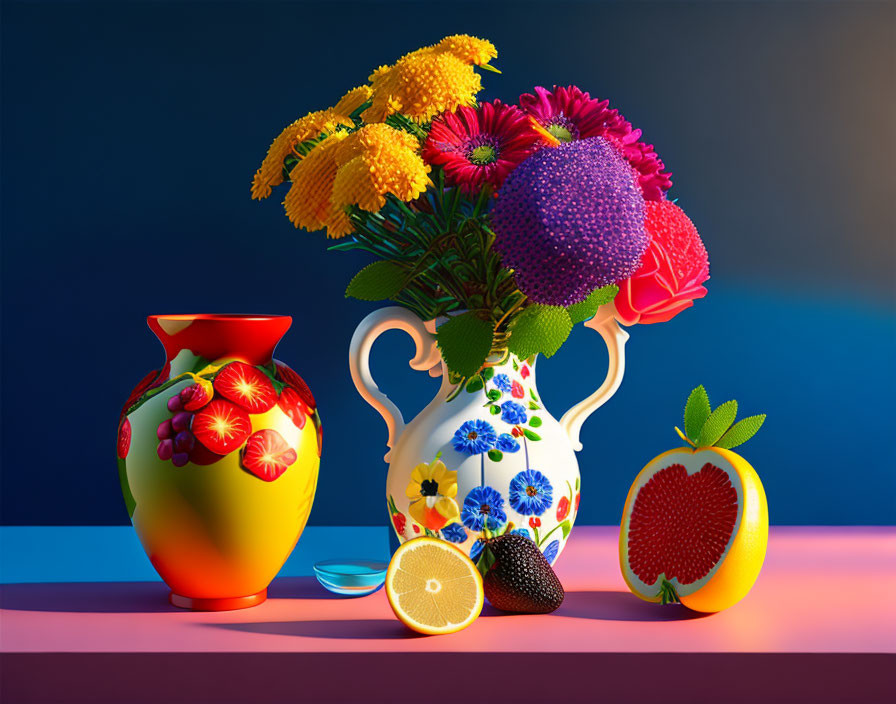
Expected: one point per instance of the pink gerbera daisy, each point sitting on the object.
(479, 146)
(568, 114)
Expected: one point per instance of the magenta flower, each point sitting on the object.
(569, 114)
(480, 146)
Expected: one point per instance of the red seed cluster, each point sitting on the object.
(680, 525)
(570, 219)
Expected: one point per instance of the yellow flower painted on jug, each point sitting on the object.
(432, 490)
(430, 80)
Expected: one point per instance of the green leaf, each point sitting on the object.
(533, 395)
(741, 431)
(580, 312)
(487, 373)
(531, 434)
(534, 406)
(473, 385)
(566, 526)
(494, 410)
(495, 455)
(493, 394)
(539, 329)
(696, 411)
(377, 281)
(465, 341)
(718, 422)
(486, 560)
(535, 421)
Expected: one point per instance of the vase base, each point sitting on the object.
(225, 604)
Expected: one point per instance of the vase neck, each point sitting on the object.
(512, 376)
(250, 338)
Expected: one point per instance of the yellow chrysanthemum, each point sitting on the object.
(375, 161)
(430, 80)
(308, 201)
(312, 125)
(432, 490)
(352, 100)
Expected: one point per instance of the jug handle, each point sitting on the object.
(604, 323)
(368, 330)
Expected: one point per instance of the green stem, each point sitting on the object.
(668, 593)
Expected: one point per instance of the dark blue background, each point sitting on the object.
(130, 132)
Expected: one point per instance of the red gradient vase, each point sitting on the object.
(218, 457)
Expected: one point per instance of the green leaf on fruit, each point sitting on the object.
(377, 281)
(580, 312)
(718, 422)
(741, 431)
(531, 434)
(535, 421)
(539, 329)
(465, 341)
(486, 560)
(696, 411)
(495, 455)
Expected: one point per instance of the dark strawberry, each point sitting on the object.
(267, 455)
(246, 386)
(221, 426)
(520, 579)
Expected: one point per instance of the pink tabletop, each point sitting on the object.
(824, 591)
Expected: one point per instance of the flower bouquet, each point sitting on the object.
(513, 221)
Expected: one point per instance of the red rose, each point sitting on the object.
(535, 522)
(562, 508)
(672, 271)
(399, 520)
(524, 372)
(516, 390)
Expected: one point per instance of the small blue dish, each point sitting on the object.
(351, 577)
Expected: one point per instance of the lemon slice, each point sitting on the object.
(433, 587)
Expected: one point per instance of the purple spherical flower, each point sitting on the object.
(570, 219)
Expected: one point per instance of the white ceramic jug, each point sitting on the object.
(486, 455)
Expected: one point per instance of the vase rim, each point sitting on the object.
(251, 338)
(215, 316)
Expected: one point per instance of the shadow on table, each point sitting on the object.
(621, 606)
(87, 597)
(128, 597)
(364, 629)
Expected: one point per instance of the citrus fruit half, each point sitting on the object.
(433, 587)
(695, 524)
